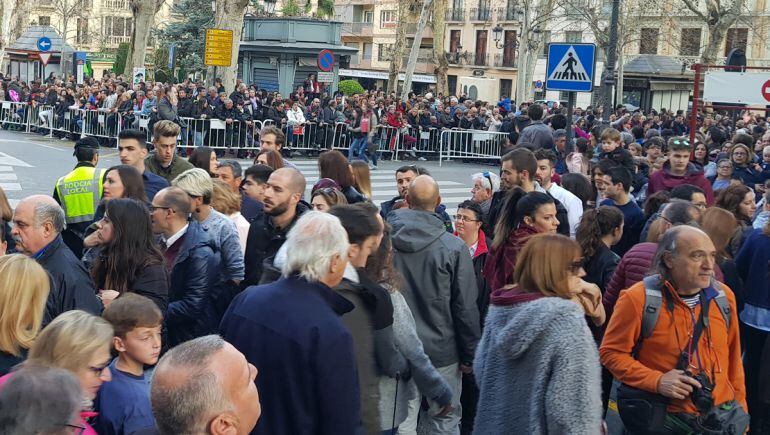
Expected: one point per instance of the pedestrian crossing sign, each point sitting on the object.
(571, 67)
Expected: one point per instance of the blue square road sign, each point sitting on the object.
(571, 67)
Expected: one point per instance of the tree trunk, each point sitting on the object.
(439, 53)
(5, 28)
(716, 36)
(619, 86)
(144, 20)
(415, 52)
(229, 16)
(398, 46)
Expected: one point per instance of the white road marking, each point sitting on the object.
(8, 177)
(5, 159)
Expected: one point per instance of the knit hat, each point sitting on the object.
(324, 183)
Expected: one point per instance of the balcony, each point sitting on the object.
(357, 29)
(459, 58)
(507, 14)
(481, 14)
(503, 61)
(120, 5)
(455, 15)
(411, 30)
(116, 40)
(480, 59)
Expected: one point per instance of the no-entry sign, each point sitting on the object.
(766, 90)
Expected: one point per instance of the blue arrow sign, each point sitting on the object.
(571, 67)
(44, 43)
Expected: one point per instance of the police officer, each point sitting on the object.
(79, 193)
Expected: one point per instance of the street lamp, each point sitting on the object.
(497, 35)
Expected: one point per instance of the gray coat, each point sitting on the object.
(538, 371)
(537, 134)
(441, 286)
(424, 375)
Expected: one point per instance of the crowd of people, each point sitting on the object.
(191, 295)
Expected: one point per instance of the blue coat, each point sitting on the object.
(292, 332)
(195, 286)
(752, 261)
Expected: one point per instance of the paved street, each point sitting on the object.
(31, 164)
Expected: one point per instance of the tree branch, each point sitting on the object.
(693, 7)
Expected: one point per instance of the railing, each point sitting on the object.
(471, 144)
(117, 40)
(120, 5)
(506, 14)
(503, 61)
(455, 15)
(357, 29)
(242, 137)
(480, 59)
(480, 14)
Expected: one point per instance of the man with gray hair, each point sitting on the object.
(485, 184)
(205, 386)
(681, 306)
(40, 400)
(37, 225)
(292, 332)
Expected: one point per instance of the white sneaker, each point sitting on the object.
(422, 159)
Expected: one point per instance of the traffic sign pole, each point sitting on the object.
(570, 128)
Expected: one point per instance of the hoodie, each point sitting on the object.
(665, 180)
(536, 351)
(440, 283)
(500, 263)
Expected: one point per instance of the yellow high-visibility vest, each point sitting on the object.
(79, 193)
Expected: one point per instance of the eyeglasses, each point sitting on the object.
(156, 207)
(681, 142)
(488, 177)
(78, 429)
(462, 218)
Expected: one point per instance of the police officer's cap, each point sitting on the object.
(87, 142)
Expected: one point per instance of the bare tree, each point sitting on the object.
(144, 21)
(439, 52)
(535, 15)
(397, 53)
(415, 51)
(68, 10)
(10, 27)
(719, 16)
(229, 16)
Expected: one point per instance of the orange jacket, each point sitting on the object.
(660, 351)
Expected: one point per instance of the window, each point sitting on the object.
(546, 37)
(367, 52)
(736, 38)
(388, 18)
(384, 52)
(82, 35)
(117, 27)
(573, 36)
(368, 16)
(690, 44)
(648, 41)
(454, 41)
(44, 21)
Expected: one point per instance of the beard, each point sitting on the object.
(278, 209)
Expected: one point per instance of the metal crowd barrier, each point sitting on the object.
(471, 144)
(14, 116)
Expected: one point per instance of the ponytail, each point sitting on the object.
(595, 224)
(507, 220)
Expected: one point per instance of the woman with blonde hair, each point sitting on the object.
(363, 179)
(227, 202)
(536, 348)
(80, 343)
(24, 287)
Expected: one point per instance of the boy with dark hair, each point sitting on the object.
(617, 182)
(612, 148)
(123, 404)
